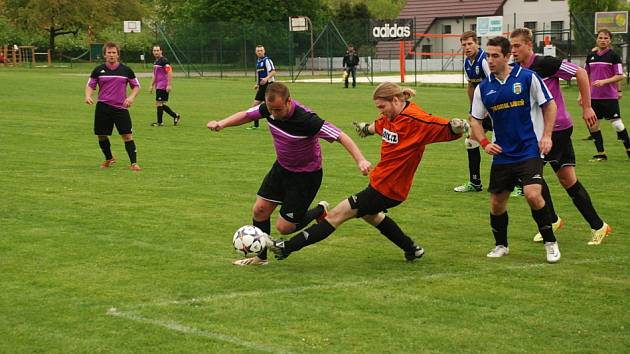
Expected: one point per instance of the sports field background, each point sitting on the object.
(114, 261)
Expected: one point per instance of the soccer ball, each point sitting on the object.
(249, 239)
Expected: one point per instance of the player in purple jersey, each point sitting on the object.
(112, 79)
(562, 157)
(162, 83)
(295, 177)
(605, 70)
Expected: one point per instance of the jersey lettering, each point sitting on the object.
(390, 137)
(507, 105)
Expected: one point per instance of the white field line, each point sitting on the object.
(353, 284)
(178, 327)
(175, 326)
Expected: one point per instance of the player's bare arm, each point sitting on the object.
(470, 90)
(132, 96)
(264, 80)
(477, 133)
(169, 77)
(235, 119)
(584, 97)
(610, 80)
(88, 95)
(364, 165)
(549, 116)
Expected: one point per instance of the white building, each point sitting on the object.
(453, 17)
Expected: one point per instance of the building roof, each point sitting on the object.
(426, 12)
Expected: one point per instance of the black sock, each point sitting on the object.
(130, 146)
(474, 166)
(264, 226)
(599, 141)
(310, 215)
(390, 229)
(311, 235)
(542, 217)
(623, 136)
(160, 113)
(170, 112)
(546, 194)
(499, 225)
(106, 147)
(256, 123)
(582, 202)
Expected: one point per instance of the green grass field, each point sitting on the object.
(112, 261)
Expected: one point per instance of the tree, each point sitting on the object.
(243, 11)
(583, 16)
(60, 17)
(385, 9)
(353, 21)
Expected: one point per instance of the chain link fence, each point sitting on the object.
(228, 48)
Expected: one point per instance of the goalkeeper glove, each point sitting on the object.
(362, 128)
(459, 126)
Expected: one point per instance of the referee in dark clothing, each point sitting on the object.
(350, 63)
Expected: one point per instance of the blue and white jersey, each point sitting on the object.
(515, 109)
(264, 66)
(478, 69)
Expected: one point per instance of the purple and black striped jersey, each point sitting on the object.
(600, 66)
(160, 73)
(296, 138)
(112, 83)
(552, 69)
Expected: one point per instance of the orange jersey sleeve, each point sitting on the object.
(402, 146)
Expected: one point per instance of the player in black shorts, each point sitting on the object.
(112, 79)
(605, 71)
(295, 177)
(265, 72)
(522, 133)
(162, 83)
(476, 70)
(561, 157)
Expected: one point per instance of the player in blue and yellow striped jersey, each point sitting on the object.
(475, 69)
(523, 114)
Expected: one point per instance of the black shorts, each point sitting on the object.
(161, 95)
(503, 178)
(260, 94)
(561, 153)
(606, 109)
(294, 190)
(370, 202)
(106, 116)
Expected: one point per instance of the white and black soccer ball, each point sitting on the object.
(249, 239)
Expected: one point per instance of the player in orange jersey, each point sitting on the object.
(405, 129)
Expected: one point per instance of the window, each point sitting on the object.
(556, 30)
(426, 48)
(530, 24)
(446, 29)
